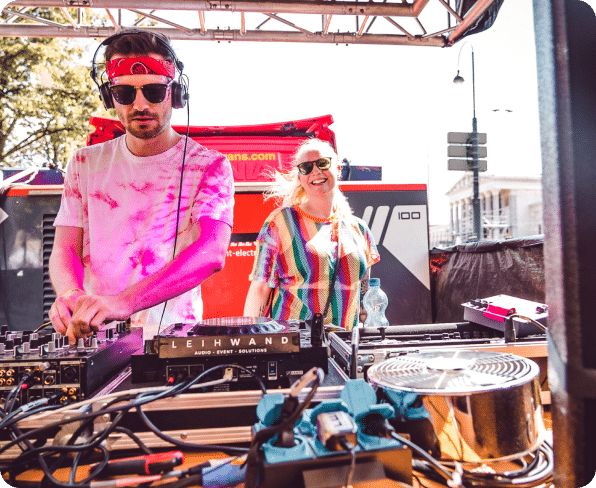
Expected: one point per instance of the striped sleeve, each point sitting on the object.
(372, 253)
(266, 257)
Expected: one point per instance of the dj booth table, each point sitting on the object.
(200, 418)
(208, 417)
(208, 420)
(212, 418)
(196, 458)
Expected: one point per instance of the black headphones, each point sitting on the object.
(179, 89)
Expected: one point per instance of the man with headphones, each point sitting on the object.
(146, 217)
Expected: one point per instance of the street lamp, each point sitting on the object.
(458, 80)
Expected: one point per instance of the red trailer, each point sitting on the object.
(396, 214)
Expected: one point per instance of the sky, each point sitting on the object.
(392, 105)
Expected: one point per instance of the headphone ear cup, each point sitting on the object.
(106, 96)
(179, 95)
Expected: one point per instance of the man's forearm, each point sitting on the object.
(180, 275)
(189, 269)
(66, 270)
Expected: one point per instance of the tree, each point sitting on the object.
(47, 98)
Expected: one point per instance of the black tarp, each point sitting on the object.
(513, 267)
(486, 20)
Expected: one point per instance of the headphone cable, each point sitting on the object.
(182, 80)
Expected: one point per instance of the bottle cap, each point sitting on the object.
(374, 282)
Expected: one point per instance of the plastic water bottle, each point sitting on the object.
(375, 303)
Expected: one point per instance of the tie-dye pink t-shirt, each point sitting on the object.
(127, 206)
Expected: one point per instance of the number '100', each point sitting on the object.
(408, 215)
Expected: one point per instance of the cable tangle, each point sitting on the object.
(88, 426)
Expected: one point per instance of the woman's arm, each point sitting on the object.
(257, 299)
(363, 290)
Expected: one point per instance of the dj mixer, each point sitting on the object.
(70, 373)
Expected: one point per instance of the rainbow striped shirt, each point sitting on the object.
(297, 254)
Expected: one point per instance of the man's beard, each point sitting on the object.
(148, 132)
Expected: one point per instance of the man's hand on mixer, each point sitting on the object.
(61, 311)
(93, 310)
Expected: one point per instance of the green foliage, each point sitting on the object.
(47, 98)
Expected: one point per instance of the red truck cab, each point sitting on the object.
(254, 151)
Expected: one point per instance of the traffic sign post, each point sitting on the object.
(468, 152)
(465, 137)
(469, 148)
(473, 139)
(464, 165)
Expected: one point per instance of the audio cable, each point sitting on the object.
(84, 440)
(536, 472)
(528, 320)
(184, 80)
(137, 400)
(377, 425)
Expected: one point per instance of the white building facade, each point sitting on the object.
(510, 206)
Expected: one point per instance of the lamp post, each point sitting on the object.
(475, 169)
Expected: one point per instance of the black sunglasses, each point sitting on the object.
(153, 92)
(307, 167)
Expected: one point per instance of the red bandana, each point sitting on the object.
(139, 66)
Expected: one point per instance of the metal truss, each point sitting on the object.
(414, 23)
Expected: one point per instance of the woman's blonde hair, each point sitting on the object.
(289, 192)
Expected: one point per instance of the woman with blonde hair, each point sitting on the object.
(297, 272)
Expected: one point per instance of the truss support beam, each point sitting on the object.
(160, 19)
(395, 24)
(23, 15)
(288, 23)
(470, 18)
(202, 21)
(68, 17)
(113, 20)
(450, 10)
(327, 19)
(287, 6)
(32, 30)
(13, 16)
(418, 7)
